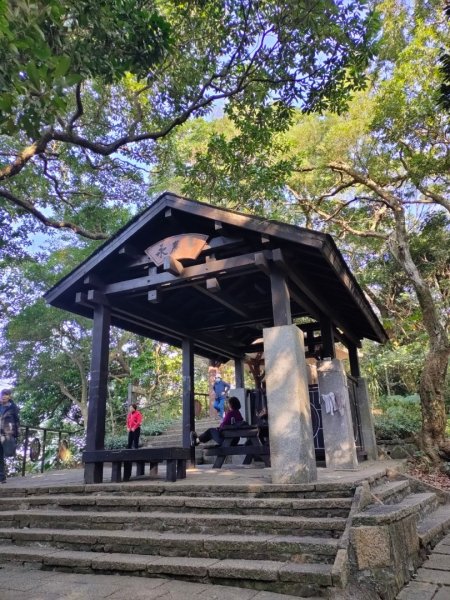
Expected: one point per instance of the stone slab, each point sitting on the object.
(438, 561)
(306, 573)
(439, 548)
(417, 590)
(249, 569)
(434, 576)
(442, 594)
(372, 546)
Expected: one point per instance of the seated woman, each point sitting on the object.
(232, 417)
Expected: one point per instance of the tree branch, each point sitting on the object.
(340, 222)
(29, 208)
(79, 111)
(434, 196)
(25, 156)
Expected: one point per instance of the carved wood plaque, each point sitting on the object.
(186, 245)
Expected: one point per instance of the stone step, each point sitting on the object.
(391, 492)
(434, 526)
(159, 487)
(170, 521)
(302, 549)
(200, 425)
(420, 504)
(308, 507)
(290, 578)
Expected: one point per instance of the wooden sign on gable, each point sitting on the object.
(179, 247)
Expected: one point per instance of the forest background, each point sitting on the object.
(331, 115)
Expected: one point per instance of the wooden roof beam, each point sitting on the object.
(224, 300)
(129, 251)
(164, 326)
(197, 273)
(320, 305)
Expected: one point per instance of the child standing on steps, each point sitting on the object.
(134, 421)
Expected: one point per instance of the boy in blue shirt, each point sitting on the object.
(220, 388)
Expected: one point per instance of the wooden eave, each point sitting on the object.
(221, 309)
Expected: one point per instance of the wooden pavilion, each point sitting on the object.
(211, 281)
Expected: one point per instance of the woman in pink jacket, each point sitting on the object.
(134, 421)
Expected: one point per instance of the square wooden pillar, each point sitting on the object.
(98, 389)
(188, 394)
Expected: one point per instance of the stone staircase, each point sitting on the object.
(398, 523)
(283, 539)
(303, 540)
(400, 497)
(172, 437)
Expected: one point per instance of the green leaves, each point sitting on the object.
(48, 47)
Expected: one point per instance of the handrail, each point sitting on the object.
(203, 404)
(26, 429)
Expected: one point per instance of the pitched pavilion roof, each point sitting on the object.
(221, 299)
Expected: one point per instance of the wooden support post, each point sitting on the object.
(154, 296)
(171, 470)
(188, 394)
(239, 372)
(310, 342)
(172, 265)
(116, 472)
(326, 329)
(281, 303)
(127, 466)
(212, 285)
(95, 435)
(354, 361)
(181, 469)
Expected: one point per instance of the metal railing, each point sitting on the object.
(33, 443)
(203, 402)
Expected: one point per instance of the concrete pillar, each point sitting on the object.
(369, 441)
(339, 440)
(291, 440)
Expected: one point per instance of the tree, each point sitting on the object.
(88, 88)
(47, 351)
(390, 182)
(376, 177)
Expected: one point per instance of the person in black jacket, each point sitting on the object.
(9, 426)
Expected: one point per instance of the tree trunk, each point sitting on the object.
(434, 372)
(431, 389)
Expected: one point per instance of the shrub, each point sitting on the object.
(118, 441)
(399, 417)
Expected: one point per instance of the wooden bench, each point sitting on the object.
(231, 447)
(175, 459)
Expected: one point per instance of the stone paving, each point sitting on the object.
(204, 474)
(28, 583)
(432, 581)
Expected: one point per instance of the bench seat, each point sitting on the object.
(252, 448)
(175, 459)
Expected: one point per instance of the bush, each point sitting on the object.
(116, 442)
(399, 417)
(155, 427)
